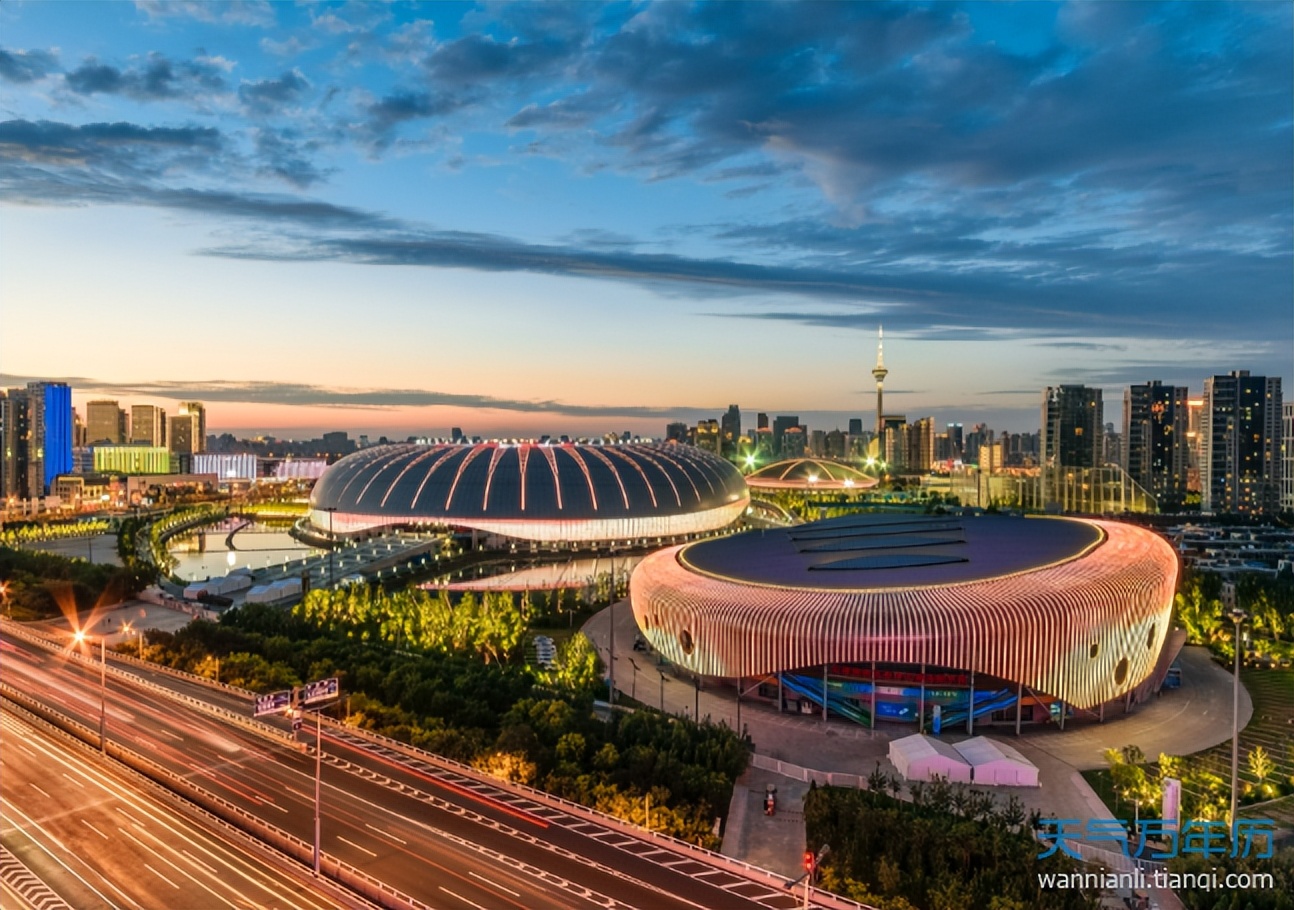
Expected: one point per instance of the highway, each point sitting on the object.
(445, 838)
(97, 837)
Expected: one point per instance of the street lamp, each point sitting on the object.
(1238, 616)
(80, 638)
(126, 629)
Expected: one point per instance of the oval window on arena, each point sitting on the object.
(1150, 637)
(685, 640)
(1094, 650)
(1121, 672)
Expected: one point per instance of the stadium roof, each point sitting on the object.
(891, 551)
(809, 474)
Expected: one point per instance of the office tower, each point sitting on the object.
(78, 430)
(879, 373)
(780, 425)
(14, 426)
(761, 421)
(794, 442)
(105, 422)
(197, 411)
(1287, 457)
(1194, 408)
(818, 443)
(50, 452)
(1072, 417)
(1155, 448)
(1240, 466)
(955, 440)
(147, 425)
(855, 426)
(834, 445)
(706, 435)
(1112, 444)
(921, 445)
(730, 428)
(1071, 436)
(676, 432)
(183, 434)
(894, 442)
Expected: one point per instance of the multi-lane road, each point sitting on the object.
(443, 837)
(96, 837)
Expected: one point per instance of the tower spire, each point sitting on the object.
(879, 373)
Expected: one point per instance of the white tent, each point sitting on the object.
(920, 757)
(996, 764)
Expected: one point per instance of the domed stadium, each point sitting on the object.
(965, 620)
(528, 491)
(809, 474)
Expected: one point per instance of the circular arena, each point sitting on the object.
(809, 474)
(547, 493)
(927, 619)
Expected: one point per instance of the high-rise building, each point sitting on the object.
(1240, 430)
(50, 451)
(147, 425)
(197, 411)
(1072, 435)
(15, 430)
(1287, 456)
(706, 435)
(781, 424)
(955, 441)
(761, 421)
(1072, 417)
(676, 432)
(105, 422)
(1194, 408)
(1155, 449)
(730, 426)
(921, 445)
(855, 426)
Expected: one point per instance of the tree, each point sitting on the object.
(1260, 764)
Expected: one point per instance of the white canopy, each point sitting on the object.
(996, 764)
(920, 757)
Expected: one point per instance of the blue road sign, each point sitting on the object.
(273, 703)
(320, 690)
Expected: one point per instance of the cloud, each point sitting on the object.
(268, 94)
(285, 156)
(26, 66)
(225, 12)
(158, 79)
(48, 142)
(306, 395)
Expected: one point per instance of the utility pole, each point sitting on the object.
(318, 776)
(1238, 616)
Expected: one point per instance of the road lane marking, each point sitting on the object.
(492, 884)
(39, 790)
(386, 834)
(161, 876)
(74, 780)
(461, 898)
(357, 846)
(94, 829)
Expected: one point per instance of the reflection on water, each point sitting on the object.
(204, 555)
(571, 573)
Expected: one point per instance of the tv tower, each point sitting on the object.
(879, 372)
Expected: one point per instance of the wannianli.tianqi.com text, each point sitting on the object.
(1139, 880)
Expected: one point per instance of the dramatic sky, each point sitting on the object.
(546, 218)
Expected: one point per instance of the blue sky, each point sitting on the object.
(576, 218)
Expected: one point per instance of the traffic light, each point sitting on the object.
(808, 861)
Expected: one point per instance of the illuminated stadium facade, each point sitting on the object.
(548, 493)
(895, 617)
(809, 474)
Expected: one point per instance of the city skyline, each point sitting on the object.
(398, 219)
